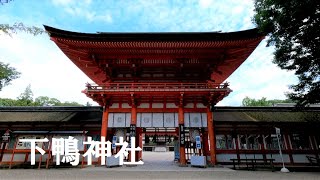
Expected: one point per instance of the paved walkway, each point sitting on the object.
(157, 166)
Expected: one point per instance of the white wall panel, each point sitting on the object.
(138, 119)
(125, 105)
(171, 105)
(277, 158)
(144, 105)
(187, 119)
(204, 119)
(146, 119)
(119, 120)
(226, 157)
(115, 105)
(157, 105)
(169, 120)
(189, 105)
(110, 120)
(157, 119)
(176, 120)
(200, 105)
(301, 158)
(195, 120)
(128, 119)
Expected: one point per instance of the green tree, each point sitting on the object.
(46, 101)
(73, 103)
(26, 98)
(7, 74)
(293, 29)
(263, 101)
(8, 102)
(20, 27)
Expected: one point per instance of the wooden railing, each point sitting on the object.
(158, 87)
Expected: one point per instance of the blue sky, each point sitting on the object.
(51, 74)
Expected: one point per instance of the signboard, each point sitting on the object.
(114, 141)
(198, 142)
(132, 130)
(181, 134)
(277, 131)
(6, 137)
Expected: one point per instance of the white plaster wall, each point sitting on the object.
(146, 119)
(195, 120)
(225, 157)
(277, 158)
(176, 120)
(115, 105)
(157, 119)
(125, 105)
(186, 119)
(171, 105)
(110, 119)
(157, 105)
(251, 156)
(144, 105)
(200, 105)
(204, 119)
(138, 119)
(128, 119)
(189, 105)
(119, 120)
(301, 158)
(169, 120)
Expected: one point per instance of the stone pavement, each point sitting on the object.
(158, 165)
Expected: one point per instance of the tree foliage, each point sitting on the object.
(263, 101)
(20, 27)
(7, 74)
(26, 99)
(293, 28)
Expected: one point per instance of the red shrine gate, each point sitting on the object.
(158, 80)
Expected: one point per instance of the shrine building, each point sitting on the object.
(162, 88)
(158, 80)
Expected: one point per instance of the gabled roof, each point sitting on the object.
(111, 57)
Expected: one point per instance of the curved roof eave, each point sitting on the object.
(155, 36)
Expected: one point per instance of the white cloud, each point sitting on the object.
(42, 65)
(82, 9)
(205, 3)
(258, 77)
(62, 2)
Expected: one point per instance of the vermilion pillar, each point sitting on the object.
(182, 146)
(133, 115)
(140, 143)
(205, 143)
(212, 138)
(104, 124)
(133, 128)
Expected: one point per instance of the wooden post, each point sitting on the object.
(133, 123)
(182, 146)
(134, 115)
(212, 137)
(140, 143)
(13, 151)
(289, 149)
(49, 156)
(104, 123)
(84, 148)
(205, 143)
(104, 126)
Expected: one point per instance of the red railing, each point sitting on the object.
(158, 87)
